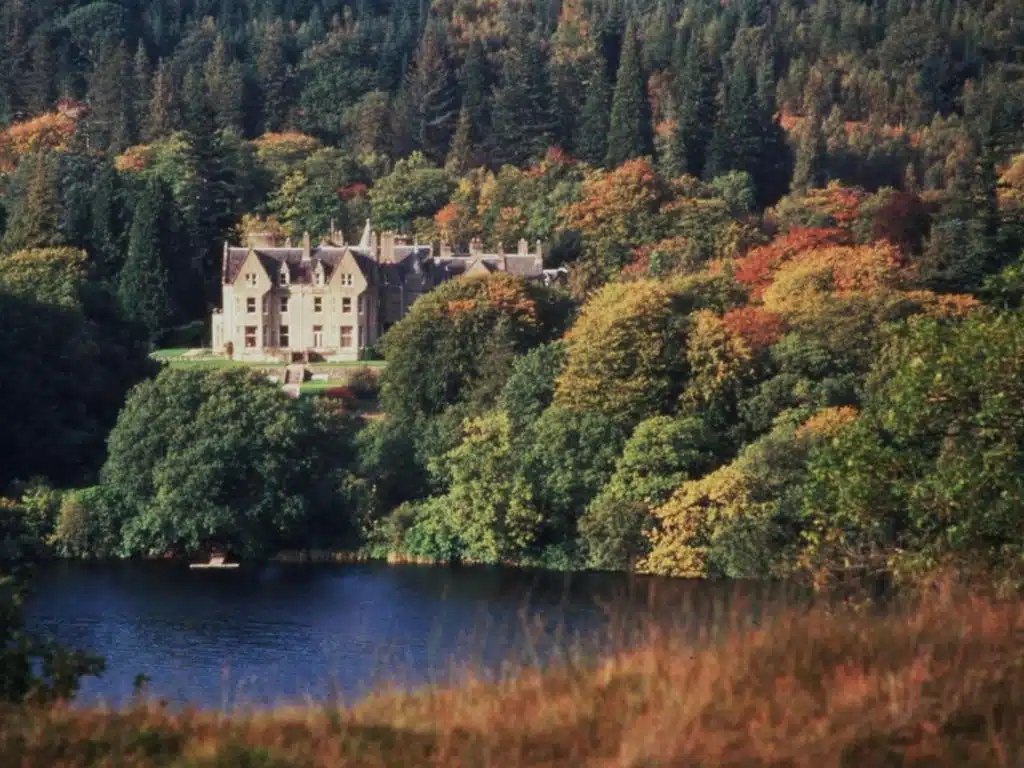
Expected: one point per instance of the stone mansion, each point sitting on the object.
(334, 301)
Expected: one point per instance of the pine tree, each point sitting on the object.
(574, 57)
(142, 89)
(104, 244)
(40, 84)
(160, 117)
(35, 218)
(111, 119)
(460, 156)
(522, 114)
(630, 133)
(591, 141)
(272, 76)
(474, 84)
(144, 286)
(432, 98)
(811, 155)
(225, 84)
(696, 85)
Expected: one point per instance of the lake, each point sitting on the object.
(274, 634)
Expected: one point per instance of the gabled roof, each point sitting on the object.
(300, 270)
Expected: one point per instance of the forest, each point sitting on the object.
(795, 241)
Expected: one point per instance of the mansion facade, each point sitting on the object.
(334, 301)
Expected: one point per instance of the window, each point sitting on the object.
(283, 305)
(250, 336)
(346, 305)
(318, 276)
(283, 337)
(250, 305)
(318, 304)
(346, 279)
(359, 304)
(250, 279)
(346, 336)
(318, 336)
(282, 276)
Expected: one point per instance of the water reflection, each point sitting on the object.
(260, 636)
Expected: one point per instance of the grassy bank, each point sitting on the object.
(939, 684)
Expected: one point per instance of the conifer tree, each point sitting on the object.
(474, 85)
(144, 285)
(142, 90)
(433, 108)
(460, 156)
(809, 170)
(111, 119)
(34, 221)
(630, 133)
(40, 84)
(591, 143)
(225, 85)
(696, 85)
(160, 117)
(272, 75)
(104, 237)
(522, 113)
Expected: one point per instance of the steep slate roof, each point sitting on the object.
(300, 271)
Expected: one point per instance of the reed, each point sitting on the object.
(936, 680)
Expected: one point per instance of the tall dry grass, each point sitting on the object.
(938, 681)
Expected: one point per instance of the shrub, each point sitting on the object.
(363, 383)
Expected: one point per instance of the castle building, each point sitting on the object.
(333, 301)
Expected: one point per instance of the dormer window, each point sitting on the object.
(318, 275)
(250, 279)
(346, 279)
(282, 276)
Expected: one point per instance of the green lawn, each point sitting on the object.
(176, 359)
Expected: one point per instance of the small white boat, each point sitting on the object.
(216, 561)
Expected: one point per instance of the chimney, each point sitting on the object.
(306, 248)
(387, 245)
(476, 247)
(524, 247)
(538, 255)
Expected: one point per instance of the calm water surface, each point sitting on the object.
(265, 635)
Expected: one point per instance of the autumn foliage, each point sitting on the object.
(47, 133)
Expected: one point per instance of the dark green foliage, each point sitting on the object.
(591, 141)
(227, 460)
(523, 121)
(70, 367)
(629, 133)
(531, 385)
(144, 284)
(32, 205)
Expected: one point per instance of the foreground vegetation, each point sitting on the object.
(939, 683)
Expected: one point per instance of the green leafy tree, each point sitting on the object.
(414, 189)
(661, 454)
(531, 386)
(225, 459)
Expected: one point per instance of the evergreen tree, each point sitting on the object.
(460, 156)
(432, 104)
(696, 85)
(474, 85)
(630, 133)
(272, 76)
(104, 239)
(522, 112)
(144, 285)
(34, 207)
(40, 90)
(225, 84)
(809, 170)
(111, 120)
(574, 57)
(591, 142)
(747, 136)
(160, 117)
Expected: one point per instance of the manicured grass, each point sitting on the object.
(168, 354)
(937, 684)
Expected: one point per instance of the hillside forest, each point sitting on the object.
(791, 337)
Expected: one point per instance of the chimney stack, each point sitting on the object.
(524, 247)
(476, 247)
(306, 247)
